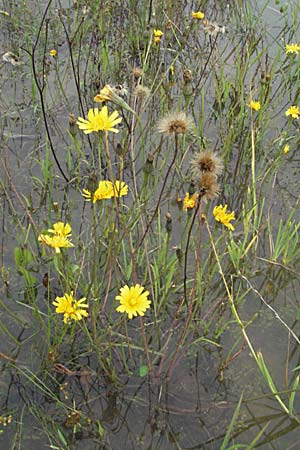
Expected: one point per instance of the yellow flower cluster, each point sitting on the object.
(106, 189)
(71, 308)
(157, 35)
(189, 201)
(60, 239)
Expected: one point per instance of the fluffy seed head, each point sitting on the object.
(177, 123)
(206, 162)
(208, 185)
(142, 92)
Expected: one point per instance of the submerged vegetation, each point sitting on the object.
(150, 224)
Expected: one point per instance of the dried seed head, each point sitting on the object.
(177, 123)
(187, 75)
(208, 185)
(142, 92)
(137, 72)
(206, 161)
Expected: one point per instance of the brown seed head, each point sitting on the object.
(177, 123)
(206, 161)
(187, 75)
(208, 185)
(142, 92)
(137, 72)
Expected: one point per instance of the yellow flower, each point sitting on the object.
(133, 300)
(157, 35)
(60, 229)
(189, 201)
(293, 111)
(56, 242)
(99, 121)
(70, 307)
(53, 52)
(222, 216)
(119, 189)
(292, 48)
(106, 189)
(254, 105)
(286, 149)
(198, 15)
(105, 94)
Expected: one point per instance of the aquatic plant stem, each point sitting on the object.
(41, 87)
(253, 168)
(145, 344)
(257, 356)
(185, 299)
(161, 193)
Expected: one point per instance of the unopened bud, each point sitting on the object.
(168, 222)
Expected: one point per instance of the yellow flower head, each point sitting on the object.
(222, 216)
(189, 201)
(197, 15)
(293, 111)
(292, 48)
(99, 121)
(71, 308)
(106, 189)
(255, 106)
(106, 94)
(56, 242)
(286, 149)
(119, 189)
(133, 300)
(60, 229)
(157, 35)
(53, 52)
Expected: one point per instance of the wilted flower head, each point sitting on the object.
(206, 161)
(213, 28)
(177, 123)
(107, 93)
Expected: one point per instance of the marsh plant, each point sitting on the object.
(146, 148)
